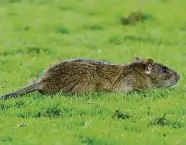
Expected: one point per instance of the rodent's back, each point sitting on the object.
(81, 76)
(68, 77)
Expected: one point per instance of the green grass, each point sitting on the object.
(38, 33)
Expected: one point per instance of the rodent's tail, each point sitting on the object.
(20, 92)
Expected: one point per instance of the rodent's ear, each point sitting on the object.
(136, 59)
(149, 61)
(148, 66)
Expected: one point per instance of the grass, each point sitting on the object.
(38, 33)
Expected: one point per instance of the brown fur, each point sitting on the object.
(81, 76)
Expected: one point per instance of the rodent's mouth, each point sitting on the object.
(173, 83)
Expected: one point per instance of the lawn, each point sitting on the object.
(36, 34)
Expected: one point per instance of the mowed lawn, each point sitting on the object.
(35, 34)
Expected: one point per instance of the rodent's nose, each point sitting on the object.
(178, 76)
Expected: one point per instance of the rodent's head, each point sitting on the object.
(159, 75)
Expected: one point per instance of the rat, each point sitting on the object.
(81, 76)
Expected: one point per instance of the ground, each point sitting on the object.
(36, 34)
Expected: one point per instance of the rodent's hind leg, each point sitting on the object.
(47, 92)
(46, 89)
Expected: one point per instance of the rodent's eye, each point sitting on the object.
(163, 69)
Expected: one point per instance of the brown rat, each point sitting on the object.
(81, 76)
